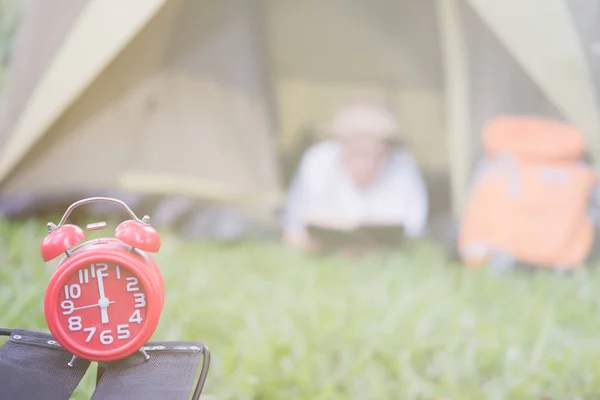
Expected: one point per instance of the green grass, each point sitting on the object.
(281, 325)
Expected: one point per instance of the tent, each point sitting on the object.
(199, 98)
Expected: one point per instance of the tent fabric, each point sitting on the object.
(168, 105)
(555, 62)
(498, 85)
(584, 15)
(44, 26)
(180, 112)
(203, 95)
(82, 54)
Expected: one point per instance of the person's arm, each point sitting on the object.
(417, 200)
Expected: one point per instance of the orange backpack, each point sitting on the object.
(530, 198)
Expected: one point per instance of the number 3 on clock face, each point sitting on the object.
(102, 306)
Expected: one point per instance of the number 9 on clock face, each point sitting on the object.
(102, 306)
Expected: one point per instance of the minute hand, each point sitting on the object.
(103, 301)
(90, 306)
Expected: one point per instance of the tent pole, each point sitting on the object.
(456, 77)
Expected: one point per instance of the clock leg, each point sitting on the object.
(72, 362)
(145, 354)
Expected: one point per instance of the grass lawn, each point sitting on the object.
(406, 326)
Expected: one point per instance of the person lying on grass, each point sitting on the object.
(359, 175)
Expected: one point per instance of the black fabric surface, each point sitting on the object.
(169, 374)
(34, 367)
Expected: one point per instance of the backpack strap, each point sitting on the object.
(167, 373)
(508, 163)
(502, 163)
(34, 366)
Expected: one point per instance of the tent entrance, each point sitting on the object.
(323, 54)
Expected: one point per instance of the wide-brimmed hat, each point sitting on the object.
(364, 119)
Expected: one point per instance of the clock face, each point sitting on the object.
(102, 306)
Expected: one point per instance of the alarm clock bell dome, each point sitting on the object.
(139, 235)
(60, 240)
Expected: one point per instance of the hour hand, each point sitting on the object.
(104, 315)
(103, 304)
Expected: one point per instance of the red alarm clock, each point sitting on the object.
(104, 300)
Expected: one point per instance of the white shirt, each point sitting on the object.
(322, 187)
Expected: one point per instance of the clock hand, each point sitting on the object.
(90, 306)
(103, 301)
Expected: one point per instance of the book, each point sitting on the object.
(368, 235)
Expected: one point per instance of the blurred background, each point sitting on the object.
(199, 112)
